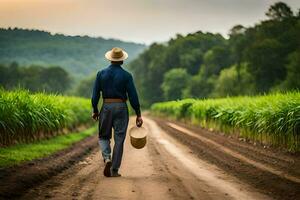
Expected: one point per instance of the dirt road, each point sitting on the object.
(180, 162)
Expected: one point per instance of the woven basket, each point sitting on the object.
(138, 137)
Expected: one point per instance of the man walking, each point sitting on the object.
(115, 84)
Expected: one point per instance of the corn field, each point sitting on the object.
(26, 117)
(271, 119)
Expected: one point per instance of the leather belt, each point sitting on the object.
(108, 100)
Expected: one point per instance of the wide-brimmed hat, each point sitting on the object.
(138, 137)
(116, 54)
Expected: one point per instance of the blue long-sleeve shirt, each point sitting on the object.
(115, 82)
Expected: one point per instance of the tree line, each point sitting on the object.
(35, 78)
(253, 60)
(78, 55)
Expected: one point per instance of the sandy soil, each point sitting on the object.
(179, 162)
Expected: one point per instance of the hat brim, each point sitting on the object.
(108, 56)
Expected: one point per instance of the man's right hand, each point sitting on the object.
(95, 116)
(139, 121)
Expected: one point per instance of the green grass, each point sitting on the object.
(25, 152)
(272, 119)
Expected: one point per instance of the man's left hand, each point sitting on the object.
(139, 121)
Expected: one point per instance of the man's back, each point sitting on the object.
(115, 83)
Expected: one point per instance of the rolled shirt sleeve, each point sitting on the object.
(96, 93)
(132, 95)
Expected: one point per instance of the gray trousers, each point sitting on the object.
(113, 115)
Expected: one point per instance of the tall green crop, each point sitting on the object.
(273, 119)
(26, 117)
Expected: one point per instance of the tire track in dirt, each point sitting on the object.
(236, 155)
(215, 179)
(77, 182)
(15, 181)
(276, 158)
(266, 182)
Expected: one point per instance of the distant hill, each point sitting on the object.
(79, 55)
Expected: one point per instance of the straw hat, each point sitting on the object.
(116, 54)
(138, 137)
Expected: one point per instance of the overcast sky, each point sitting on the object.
(143, 21)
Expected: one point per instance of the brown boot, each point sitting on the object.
(107, 167)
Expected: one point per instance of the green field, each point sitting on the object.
(26, 117)
(272, 119)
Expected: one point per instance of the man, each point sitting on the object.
(115, 84)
